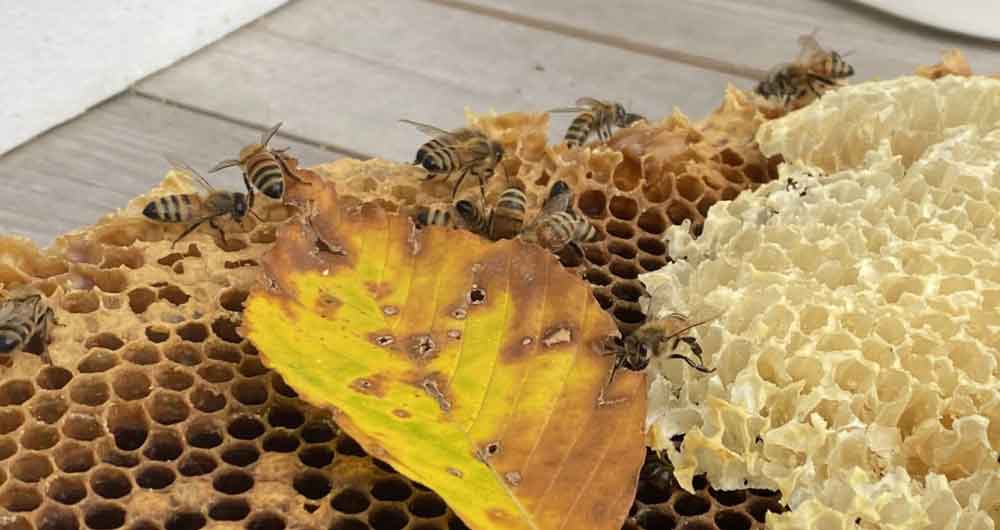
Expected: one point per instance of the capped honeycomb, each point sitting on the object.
(858, 369)
(647, 178)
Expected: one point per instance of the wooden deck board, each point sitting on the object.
(76, 173)
(344, 73)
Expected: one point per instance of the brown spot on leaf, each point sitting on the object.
(513, 478)
(382, 339)
(455, 472)
(459, 313)
(379, 290)
(454, 334)
(433, 386)
(557, 335)
(488, 451)
(400, 413)
(370, 385)
(477, 295)
(390, 310)
(421, 348)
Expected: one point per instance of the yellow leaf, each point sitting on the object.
(471, 367)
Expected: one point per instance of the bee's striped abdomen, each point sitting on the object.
(172, 208)
(434, 216)
(437, 157)
(508, 214)
(265, 174)
(473, 217)
(14, 333)
(580, 129)
(583, 231)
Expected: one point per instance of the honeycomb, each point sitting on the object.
(648, 177)
(157, 415)
(858, 372)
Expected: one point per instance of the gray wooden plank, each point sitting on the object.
(755, 33)
(344, 72)
(76, 173)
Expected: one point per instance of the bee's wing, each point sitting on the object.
(559, 200)
(569, 109)
(429, 130)
(810, 47)
(181, 165)
(590, 102)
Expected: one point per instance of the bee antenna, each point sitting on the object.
(691, 326)
(700, 367)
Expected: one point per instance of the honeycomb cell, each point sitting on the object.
(80, 302)
(130, 384)
(168, 408)
(759, 508)
(173, 294)
(318, 432)
(427, 505)
(266, 521)
(733, 519)
(316, 456)
(391, 489)
(73, 457)
(312, 484)
(183, 354)
(97, 362)
(604, 299)
(204, 433)
(624, 269)
(140, 299)
(690, 188)
(229, 510)
(688, 505)
(110, 483)
(232, 482)
(624, 208)
(53, 378)
(652, 264)
(20, 498)
(143, 354)
(240, 454)
(679, 212)
(10, 419)
(598, 277)
(653, 492)
(651, 519)
(629, 291)
(16, 392)
(163, 446)
(174, 378)
(157, 334)
(91, 391)
(596, 255)
(349, 523)
(285, 416)
(185, 521)
(279, 386)
(56, 518)
(154, 476)
(728, 497)
(622, 249)
(144, 524)
(207, 400)
(252, 367)
(223, 352)
(280, 442)
(226, 330)
(652, 246)
(619, 229)
(129, 425)
(114, 258)
(196, 463)
(388, 518)
(83, 427)
(193, 332)
(652, 222)
(39, 438)
(215, 373)
(66, 490)
(233, 299)
(31, 467)
(108, 341)
(350, 501)
(250, 392)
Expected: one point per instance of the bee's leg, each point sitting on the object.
(222, 233)
(458, 182)
(693, 344)
(189, 229)
(483, 177)
(43, 336)
(600, 397)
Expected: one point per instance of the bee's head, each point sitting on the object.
(637, 353)
(621, 115)
(241, 205)
(843, 68)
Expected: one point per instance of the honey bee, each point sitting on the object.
(657, 469)
(815, 70)
(558, 224)
(435, 215)
(264, 167)
(460, 152)
(596, 117)
(195, 208)
(656, 338)
(504, 221)
(24, 313)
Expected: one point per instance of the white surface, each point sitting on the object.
(977, 18)
(60, 57)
